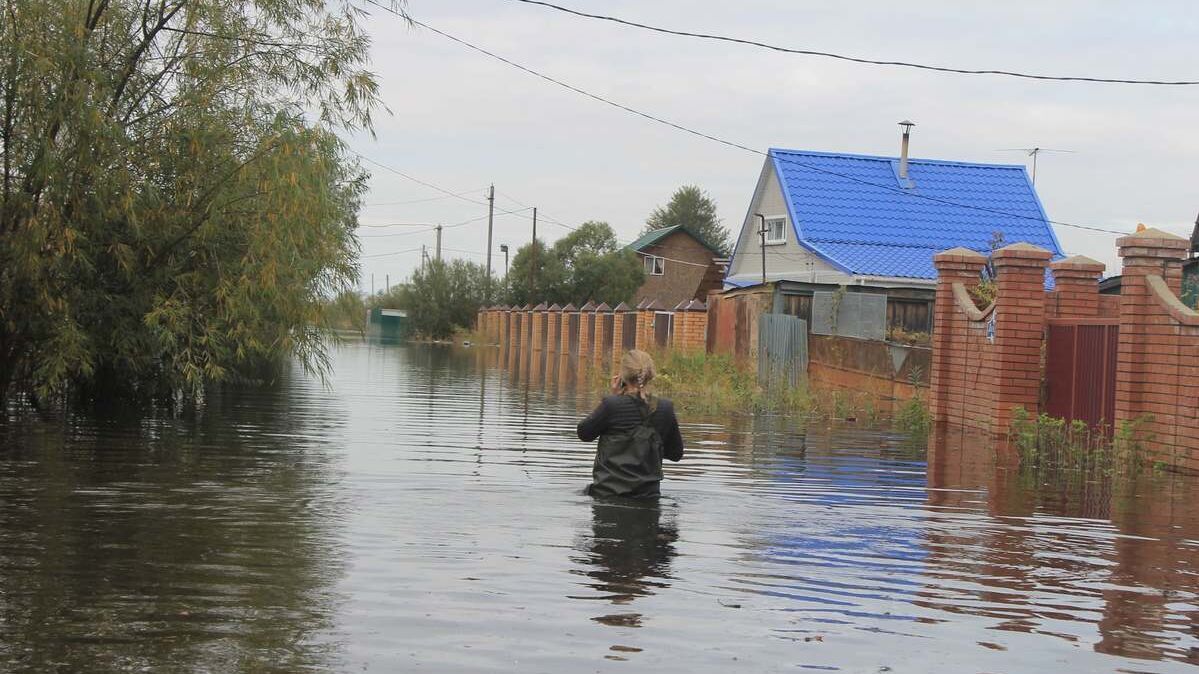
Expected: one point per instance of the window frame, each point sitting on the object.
(655, 262)
(767, 220)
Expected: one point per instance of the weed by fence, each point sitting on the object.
(1046, 442)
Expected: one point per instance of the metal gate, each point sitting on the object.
(1080, 370)
(663, 327)
(628, 338)
(782, 349)
(606, 336)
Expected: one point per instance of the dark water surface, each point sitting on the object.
(424, 514)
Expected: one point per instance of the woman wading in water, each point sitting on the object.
(635, 430)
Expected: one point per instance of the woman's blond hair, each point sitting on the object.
(636, 373)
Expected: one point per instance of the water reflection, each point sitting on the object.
(171, 545)
(629, 554)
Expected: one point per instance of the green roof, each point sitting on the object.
(650, 238)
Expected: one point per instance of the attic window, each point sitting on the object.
(655, 266)
(776, 230)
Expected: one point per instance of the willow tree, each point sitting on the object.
(176, 202)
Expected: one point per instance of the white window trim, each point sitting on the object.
(776, 242)
(651, 264)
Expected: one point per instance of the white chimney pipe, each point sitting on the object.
(903, 151)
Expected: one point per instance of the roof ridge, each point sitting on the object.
(877, 157)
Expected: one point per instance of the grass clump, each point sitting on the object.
(1046, 442)
(914, 419)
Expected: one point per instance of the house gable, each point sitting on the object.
(789, 260)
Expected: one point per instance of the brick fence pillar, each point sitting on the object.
(1076, 287)
(947, 381)
(537, 325)
(514, 327)
(645, 324)
(567, 312)
(1019, 330)
(586, 328)
(600, 347)
(553, 332)
(1148, 336)
(622, 316)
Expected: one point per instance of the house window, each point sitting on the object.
(655, 266)
(776, 230)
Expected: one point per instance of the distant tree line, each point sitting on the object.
(588, 264)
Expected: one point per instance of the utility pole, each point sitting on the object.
(439, 243)
(762, 239)
(388, 281)
(490, 217)
(504, 250)
(533, 250)
(372, 284)
(423, 255)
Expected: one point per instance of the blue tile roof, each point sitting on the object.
(853, 211)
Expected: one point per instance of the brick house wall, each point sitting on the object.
(684, 273)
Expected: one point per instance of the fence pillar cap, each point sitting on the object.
(540, 307)
(651, 305)
(694, 305)
(570, 307)
(554, 307)
(1022, 251)
(622, 308)
(1078, 263)
(589, 306)
(681, 306)
(1164, 244)
(603, 307)
(959, 254)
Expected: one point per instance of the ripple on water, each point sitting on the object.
(425, 511)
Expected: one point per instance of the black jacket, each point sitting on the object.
(624, 475)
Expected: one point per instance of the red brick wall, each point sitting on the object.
(976, 382)
(1157, 370)
(977, 378)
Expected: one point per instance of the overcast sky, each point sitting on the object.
(461, 120)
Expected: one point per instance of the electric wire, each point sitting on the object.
(906, 192)
(858, 59)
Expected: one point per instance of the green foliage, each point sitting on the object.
(1049, 443)
(175, 205)
(692, 208)
(914, 419)
(587, 264)
(444, 296)
(347, 312)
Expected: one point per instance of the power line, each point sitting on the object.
(398, 252)
(739, 146)
(420, 201)
(856, 59)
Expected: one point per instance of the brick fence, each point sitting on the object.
(601, 329)
(988, 361)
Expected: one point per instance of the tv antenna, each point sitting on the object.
(1033, 152)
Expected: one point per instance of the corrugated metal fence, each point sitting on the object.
(782, 349)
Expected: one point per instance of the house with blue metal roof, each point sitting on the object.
(874, 223)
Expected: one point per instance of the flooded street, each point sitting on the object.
(423, 512)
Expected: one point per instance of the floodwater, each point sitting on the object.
(423, 512)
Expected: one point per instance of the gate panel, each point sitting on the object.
(662, 329)
(628, 340)
(1080, 370)
(607, 336)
